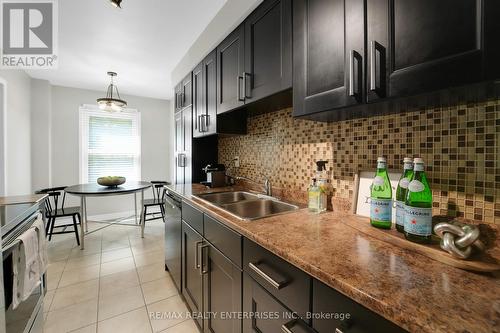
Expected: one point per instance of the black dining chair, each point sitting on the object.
(158, 200)
(55, 209)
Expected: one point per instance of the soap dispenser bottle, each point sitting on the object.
(313, 194)
(323, 184)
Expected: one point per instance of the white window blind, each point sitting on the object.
(110, 144)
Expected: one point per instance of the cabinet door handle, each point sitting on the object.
(206, 122)
(240, 78)
(277, 285)
(197, 255)
(204, 260)
(245, 87)
(373, 70)
(200, 129)
(181, 160)
(354, 91)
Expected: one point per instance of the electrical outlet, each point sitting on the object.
(236, 161)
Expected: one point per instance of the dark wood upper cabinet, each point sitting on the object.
(268, 50)
(205, 97)
(328, 54)
(198, 99)
(230, 68)
(177, 97)
(183, 146)
(413, 47)
(187, 91)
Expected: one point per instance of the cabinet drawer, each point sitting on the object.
(193, 217)
(284, 281)
(268, 315)
(223, 238)
(361, 319)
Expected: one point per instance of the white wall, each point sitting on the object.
(156, 120)
(18, 132)
(227, 19)
(41, 110)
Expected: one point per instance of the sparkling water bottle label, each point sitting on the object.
(381, 210)
(400, 213)
(404, 182)
(416, 186)
(381, 165)
(378, 181)
(418, 221)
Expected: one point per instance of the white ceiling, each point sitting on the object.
(143, 42)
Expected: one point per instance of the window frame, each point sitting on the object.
(85, 112)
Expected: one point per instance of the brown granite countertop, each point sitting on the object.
(413, 291)
(19, 199)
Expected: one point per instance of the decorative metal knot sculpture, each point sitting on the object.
(458, 239)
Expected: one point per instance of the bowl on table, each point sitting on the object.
(111, 181)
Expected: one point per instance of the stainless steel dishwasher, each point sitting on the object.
(173, 236)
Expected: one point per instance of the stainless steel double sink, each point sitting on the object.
(246, 205)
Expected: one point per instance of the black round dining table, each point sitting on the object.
(95, 190)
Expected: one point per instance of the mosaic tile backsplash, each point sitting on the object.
(459, 144)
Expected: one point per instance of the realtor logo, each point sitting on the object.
(29, 34)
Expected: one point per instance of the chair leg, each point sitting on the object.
(144, 215)
(52, 228)
(162, 209)
(76, 230)
(47, 227)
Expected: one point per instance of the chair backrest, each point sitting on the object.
(159, 190)
(52, 204)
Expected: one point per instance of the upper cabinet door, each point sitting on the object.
(328, 53)
(187, 91)
(268, 50)
(209, 120)
(177, 96)
(416, 46)
(198, 100)
(230, 68)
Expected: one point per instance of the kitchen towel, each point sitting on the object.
(39, 226)
(26, 267)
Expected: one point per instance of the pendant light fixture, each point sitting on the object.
(116, 3)
(112, 102)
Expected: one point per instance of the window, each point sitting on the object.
(110, 144)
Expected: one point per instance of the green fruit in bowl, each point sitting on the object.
(111, 181)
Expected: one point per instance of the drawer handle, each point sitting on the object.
(287, 328)
(265, 276)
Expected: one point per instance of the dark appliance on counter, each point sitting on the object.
(216, 175)
(173, 236)
(28, 316)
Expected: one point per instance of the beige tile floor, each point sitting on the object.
(116, 284)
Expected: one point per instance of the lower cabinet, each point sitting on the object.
(346, 315)
(212, 284)
(265, 314)
(222, 292)
(192, 283)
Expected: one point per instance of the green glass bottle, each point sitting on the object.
(418, 206)
(381, 197)
(401, 192)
